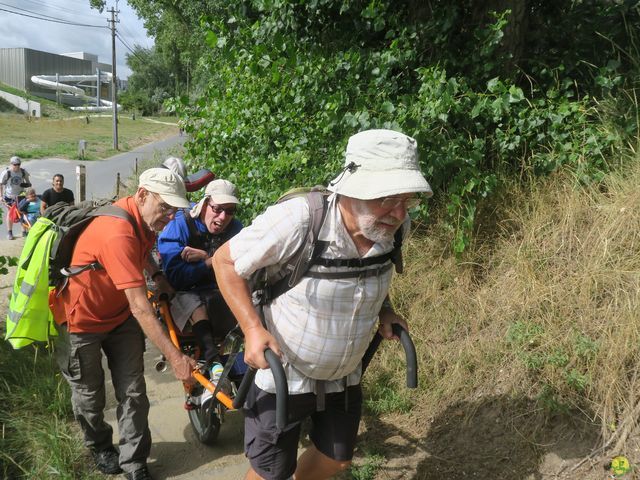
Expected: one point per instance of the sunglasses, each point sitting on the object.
(217, 209)
(394, 202)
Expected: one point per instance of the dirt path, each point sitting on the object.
(176, 453)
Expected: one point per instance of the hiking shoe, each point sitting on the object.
(10, 236)
(107, 461)
(140, 474)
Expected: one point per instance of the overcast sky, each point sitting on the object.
(22, 31)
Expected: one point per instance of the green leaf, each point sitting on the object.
(387, 107)
(212, 39)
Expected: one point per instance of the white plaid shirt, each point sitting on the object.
(323, 326)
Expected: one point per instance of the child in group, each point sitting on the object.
(30, 206)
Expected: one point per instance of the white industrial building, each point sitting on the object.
(69, 78)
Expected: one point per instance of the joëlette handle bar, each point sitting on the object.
(409, 352)
(282, 388)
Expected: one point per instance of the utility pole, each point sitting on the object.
(114, 86)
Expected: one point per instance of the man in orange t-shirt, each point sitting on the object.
(107, 311)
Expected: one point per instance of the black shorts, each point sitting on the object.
(273, 453)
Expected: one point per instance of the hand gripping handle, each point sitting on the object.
(409, 352)
(282, 388)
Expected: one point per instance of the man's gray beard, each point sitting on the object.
(367, 223)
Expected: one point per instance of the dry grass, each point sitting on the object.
(544, 307)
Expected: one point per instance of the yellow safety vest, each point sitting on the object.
(29, 318)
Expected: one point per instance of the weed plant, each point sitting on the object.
(543, 306)
(39, 438)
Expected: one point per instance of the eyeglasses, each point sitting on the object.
(166, 209)
(394, 202)
(217, 209)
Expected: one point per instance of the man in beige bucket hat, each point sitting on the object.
(322, 326)
(186, 246)
(106, 310)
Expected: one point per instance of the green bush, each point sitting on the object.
(289, 83)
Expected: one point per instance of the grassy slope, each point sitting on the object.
(40, 138)
(58, 132)
(537, 322)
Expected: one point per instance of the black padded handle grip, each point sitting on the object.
(282, 387)
(409, 352)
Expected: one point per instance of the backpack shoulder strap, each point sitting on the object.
(311, 249)
(307, 253)
(196, 238)
(396, 254)
(117, 212)
(103, 211)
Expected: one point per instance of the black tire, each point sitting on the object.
(205, 423)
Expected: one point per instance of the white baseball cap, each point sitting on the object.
(220, 192)
(167, 184)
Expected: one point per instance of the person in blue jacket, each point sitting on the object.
(186, 246)
(30, 206)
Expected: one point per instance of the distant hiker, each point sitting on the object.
(57, 193)
(105, 310)
(13, 180)
(30, 205)
(321, 326)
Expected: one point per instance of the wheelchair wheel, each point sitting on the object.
(206, 422)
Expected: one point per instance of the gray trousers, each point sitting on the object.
(79, 356)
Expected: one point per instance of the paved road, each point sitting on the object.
(101, 174)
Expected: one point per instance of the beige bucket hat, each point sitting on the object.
(380, 163)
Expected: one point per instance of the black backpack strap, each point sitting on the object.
(104, 211)
(306, 254)
(396, 253)
(369, 272)
(354, 262)
(196, 238)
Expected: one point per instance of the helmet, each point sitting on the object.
(176, 165)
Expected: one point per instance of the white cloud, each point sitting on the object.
(20, 31)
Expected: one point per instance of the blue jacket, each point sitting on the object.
(174, 237)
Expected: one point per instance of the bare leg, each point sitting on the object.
(252, 475)
(315, 465)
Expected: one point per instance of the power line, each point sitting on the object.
(133, 52)
(47, 18)
(51, 5)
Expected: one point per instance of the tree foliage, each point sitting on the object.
(488, 88)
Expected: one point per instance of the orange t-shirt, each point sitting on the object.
(94, 301)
